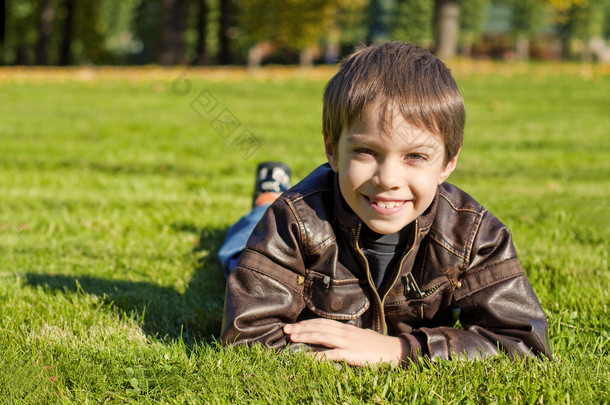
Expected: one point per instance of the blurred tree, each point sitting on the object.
(20, 34)
(81, 38)
(2, 23)
(202, 12)
(296, 25)
(45, 30)
(90, 33)
(565, 5)
(472, 21)
(586, 21)
(116, 25)
(226, 30)
(147, 31)
(67, 32)
(348, 27)
(607, 22)
(526, 20)
(173, 46)
(304, 24)
(412, 21)
(446, 27)
(350, 21)
(176, 31)
(381, 14)
(257, 20)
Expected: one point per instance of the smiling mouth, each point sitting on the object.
(386, 204)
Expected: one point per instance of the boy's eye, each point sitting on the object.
(417, 157)
(363, 151)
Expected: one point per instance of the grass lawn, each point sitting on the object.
(117, 188)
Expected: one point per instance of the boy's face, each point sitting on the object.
(388, 180)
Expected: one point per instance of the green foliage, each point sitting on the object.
(472, 18)
(294, 24)
(115, 195)
(102, 31)
(413, 21)
(116, 23)
(20, 32)
(587, 20)
(526, 17)
(130, 31)
(351, 22)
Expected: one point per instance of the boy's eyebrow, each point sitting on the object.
(421, 140)
(363, 138)
(358, 137)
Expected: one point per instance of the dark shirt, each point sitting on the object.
(383, 252)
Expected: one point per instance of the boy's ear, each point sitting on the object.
(449, 168)
(330, 152)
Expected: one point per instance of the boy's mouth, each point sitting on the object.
(386, 204)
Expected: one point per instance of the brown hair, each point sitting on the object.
(395, 75)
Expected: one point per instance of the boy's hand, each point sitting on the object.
(348, 343)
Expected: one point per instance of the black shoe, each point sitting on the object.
(273, 177)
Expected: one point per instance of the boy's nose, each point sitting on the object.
(387, 176)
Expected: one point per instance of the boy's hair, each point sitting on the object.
(395, 75)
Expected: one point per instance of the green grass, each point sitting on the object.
(115, 195)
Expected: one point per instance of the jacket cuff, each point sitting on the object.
(414, 346)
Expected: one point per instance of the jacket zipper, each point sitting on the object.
(381, 300)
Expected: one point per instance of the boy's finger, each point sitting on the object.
(318, 338)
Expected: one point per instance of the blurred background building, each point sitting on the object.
(306, 32)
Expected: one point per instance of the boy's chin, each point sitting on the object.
(385, 228)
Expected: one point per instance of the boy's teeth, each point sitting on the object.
(388, 204)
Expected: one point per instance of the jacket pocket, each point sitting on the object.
(342, 300)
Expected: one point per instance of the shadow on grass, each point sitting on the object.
(163, 312)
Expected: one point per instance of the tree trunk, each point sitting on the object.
(173, 46)
(255, 56)
(258, 53)
(587, 54)
(2, 22)
(47, 14)
(565, 47)
(147, 27)
(466, 49)
(598, 47)
(331, 56)
(224, 53)
(306, 56)
(446, 27)
(202, 28)
(65, 47)
(522, 48)
(22, 56)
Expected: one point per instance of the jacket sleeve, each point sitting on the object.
(264, 291)
(499, 311)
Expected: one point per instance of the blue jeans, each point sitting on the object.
(236, 239)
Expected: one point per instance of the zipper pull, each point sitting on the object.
(410, 285)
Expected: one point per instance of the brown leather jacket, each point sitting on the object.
(303, 261)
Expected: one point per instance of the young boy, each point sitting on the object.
(373, 257)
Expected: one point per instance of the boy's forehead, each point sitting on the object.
(360, 132)
(381, 120)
